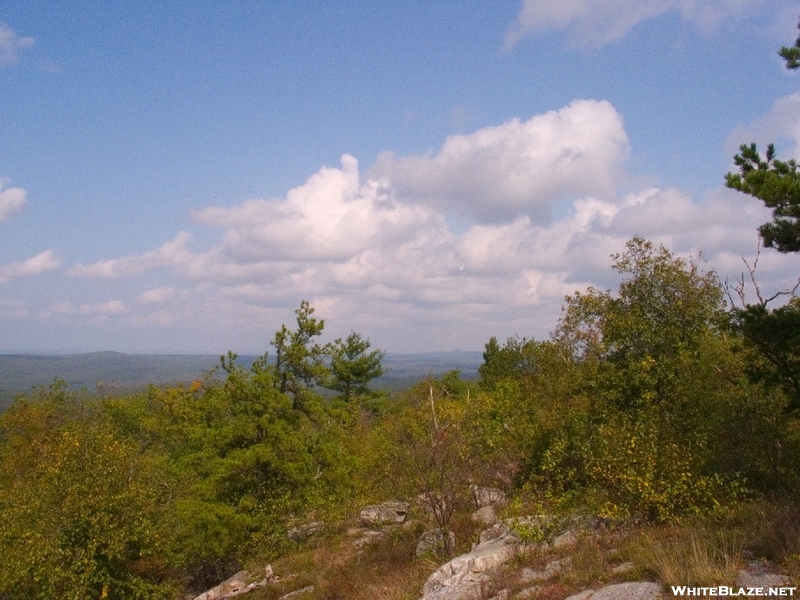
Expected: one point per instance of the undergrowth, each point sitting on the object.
(385, 568)
(701, 551)
(708, 552)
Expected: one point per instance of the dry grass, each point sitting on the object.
(772, 531)
(711, 551)
(683, 556)
(591, 562)
(466, 530)
(384, 569)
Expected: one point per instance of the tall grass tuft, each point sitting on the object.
(684, 557)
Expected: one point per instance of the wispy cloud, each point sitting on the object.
(96, 311)
(169, 254)
(36, 265)
(12, 202)
(111, 307)
(156, 296)
(781, 124)
(591, 23)
(10, 45)
(14, 309)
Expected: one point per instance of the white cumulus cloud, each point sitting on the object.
(330, 217)
(519, 167)
(374, 249)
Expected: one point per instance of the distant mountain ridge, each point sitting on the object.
(20, 372)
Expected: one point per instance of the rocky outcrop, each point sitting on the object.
(552, 569)
(468, 576)
(305, 531)
(495, 531)
(485, 516)
(462, 576)
(436, 543)
(488, 496)
(632, 590)
(568, 539)
(386, 513)
(489, 570)
(233, 586)
(760, 574)
(297, 593)
(364, 537)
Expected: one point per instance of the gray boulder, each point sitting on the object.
(463, 576)
(567, 540)
(364, 537)
(485, 516)
(386, 513)
(490, 533)
(435, 542)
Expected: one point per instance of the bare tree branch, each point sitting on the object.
(740, 288)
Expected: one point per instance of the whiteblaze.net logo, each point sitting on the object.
(724, 590)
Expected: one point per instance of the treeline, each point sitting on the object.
(648, 403)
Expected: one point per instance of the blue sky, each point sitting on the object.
(178, 176)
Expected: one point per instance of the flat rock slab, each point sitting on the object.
(763, 580)
(297, 593)
(760, 574)
(633, 590)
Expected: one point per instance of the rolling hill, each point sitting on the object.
(128, 372)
